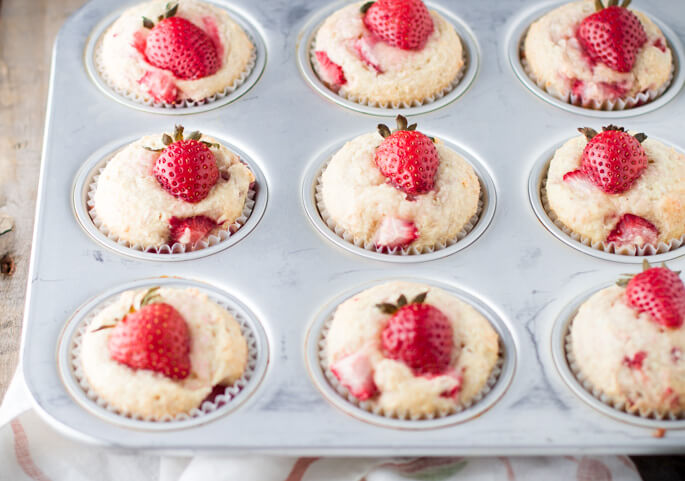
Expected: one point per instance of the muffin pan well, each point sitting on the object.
(247, 80)
(289, 269)
(516, 36)
(82, 200)
(479, 223)
(537, 196)
(496, 386)
(75, 381)
(560, 352)
(467, 75)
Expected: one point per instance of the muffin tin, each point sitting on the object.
(288, 275)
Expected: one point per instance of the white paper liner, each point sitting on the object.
(220, 234)
(397, 105)
(608, 105)
(608, 247)
(373, 408)
(371, 246)
(598, 394)
(207, 407)
(181, 104)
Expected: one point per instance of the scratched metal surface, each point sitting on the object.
(286, 272)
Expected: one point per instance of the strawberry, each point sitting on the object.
(636, 361)
(613, 36)
(579, 181)
(659, 292)
(186, 168)
(395, 233)
(613, 159)
(418, 334)
(160, 86)
(330, 72)
(355, 372)
(363, 46)
(633, 230)
(154, 337)
(189, 230)
(178, 45)
(407, 158)
(405, 24)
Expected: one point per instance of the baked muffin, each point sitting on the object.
(410, 350)
(399, 191)
(388, 52)
(618, 191)
(596, 57)
(628, 342)
(189, 51)
(164, 190)
(159, 352)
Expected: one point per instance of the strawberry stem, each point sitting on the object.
(366, 7)
(172, 11)
(389, 308)
(178, 133)
(147, 23)
(384, 131)
(588, 132)
(150, 297)
(194, 135)
(598, 5)
(641, 137)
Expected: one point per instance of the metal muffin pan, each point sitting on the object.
(517, 35)
(506, 368)
(468, 74)
(91, 167)
(256, 366)
(133, 101)
(286, 273)
(488, 200)
(538, 175)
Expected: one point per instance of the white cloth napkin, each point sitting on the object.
(30, 450)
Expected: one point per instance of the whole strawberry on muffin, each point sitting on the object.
(410, 350)
(170, 189)
(388, 52)
(628, 341)
(399, 191)
(175, 51)
(595, 54)
(159, 352)
(618, 191)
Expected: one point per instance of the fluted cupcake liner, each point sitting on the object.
(608, 247)
(151, 102)
(371, 246)
(206, 407)
(373, 408)
(608, 105)
(220, 234)
(603, 397)
(397, 105)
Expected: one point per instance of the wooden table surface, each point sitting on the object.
(27, 32)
